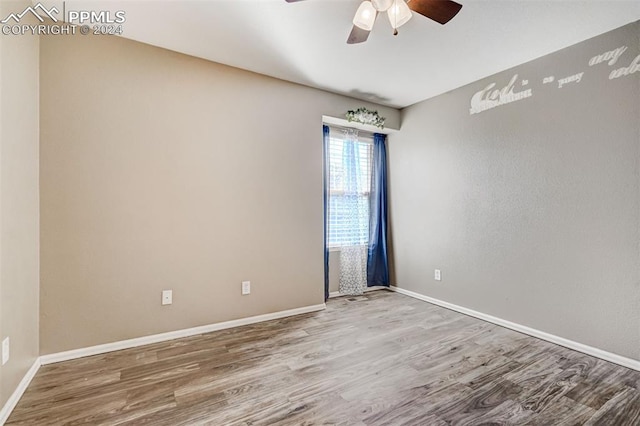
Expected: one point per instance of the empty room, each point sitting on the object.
(320, 212)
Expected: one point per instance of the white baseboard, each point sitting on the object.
(334, 294)
(162, 337)
(580, 347)
(17, 394)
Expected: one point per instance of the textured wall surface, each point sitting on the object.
(163, 171)
(531, 209)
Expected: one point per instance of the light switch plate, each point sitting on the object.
(246, 287)
(436, 275)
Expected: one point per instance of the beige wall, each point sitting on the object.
(531, 209)
(163, 171)
(19, 228)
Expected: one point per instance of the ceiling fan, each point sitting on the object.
(399, 12)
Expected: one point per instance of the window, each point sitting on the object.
(349, 164)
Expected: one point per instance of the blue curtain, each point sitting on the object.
(377, 261)
(325, 156)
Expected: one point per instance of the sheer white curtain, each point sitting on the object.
(356, 160)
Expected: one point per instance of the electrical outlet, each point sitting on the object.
(167, 297)
(436, 275)
(246, 287)
(5, 351)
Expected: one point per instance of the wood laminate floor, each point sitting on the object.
(378, 359)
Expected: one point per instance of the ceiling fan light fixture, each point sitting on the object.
(365, 16)
(399, 14)
(382, 5)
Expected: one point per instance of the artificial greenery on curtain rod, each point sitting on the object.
(365, 116)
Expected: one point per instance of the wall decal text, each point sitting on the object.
(576, 77)
(631, 69)
(613, 62)
(489, 98)
(612, 56)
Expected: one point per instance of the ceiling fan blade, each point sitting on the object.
(357, 35)
(441, 11)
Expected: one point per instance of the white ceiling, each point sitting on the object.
(304, 42)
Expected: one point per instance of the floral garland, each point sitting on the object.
(365, 116)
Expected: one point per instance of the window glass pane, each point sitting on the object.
(348, 207)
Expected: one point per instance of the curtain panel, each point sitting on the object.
(377, 259)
